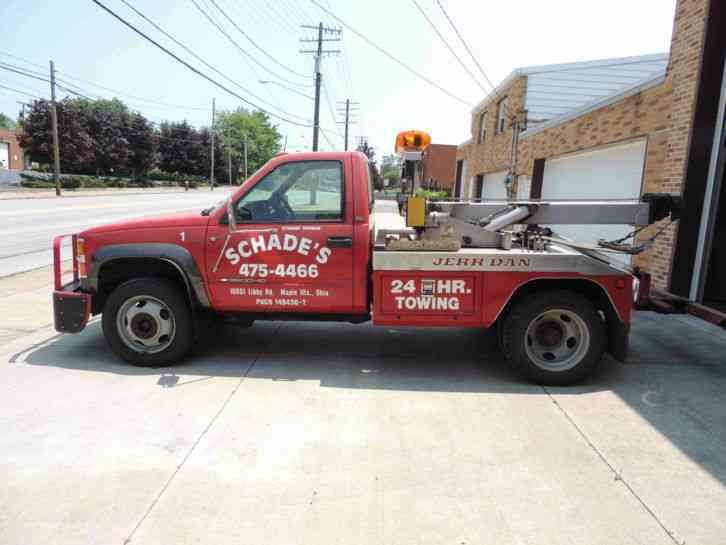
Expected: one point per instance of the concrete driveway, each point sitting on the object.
(302, 433)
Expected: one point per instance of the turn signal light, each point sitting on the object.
(412, 141)
(81, 257)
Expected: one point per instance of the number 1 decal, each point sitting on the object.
(183, 236)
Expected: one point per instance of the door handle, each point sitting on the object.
(340, 242)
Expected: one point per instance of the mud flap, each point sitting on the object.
(71, 311)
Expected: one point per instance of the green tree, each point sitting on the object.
(391, 169)
(142, 142)
(178, 147)
(365, 148)
(108, 121)
(263, 138)
(77, 146)
(95, 136)
(6, 122)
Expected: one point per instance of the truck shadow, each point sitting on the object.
(335, 355)
(674, 379)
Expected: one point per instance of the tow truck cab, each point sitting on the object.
(303, 238)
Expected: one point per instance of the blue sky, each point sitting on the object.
(87, 43)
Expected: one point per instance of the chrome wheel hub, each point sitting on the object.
(557, 340)
(145, 324)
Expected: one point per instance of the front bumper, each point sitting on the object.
(71, 308)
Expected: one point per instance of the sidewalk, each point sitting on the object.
(25, 303)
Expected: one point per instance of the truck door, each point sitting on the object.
(292, 248)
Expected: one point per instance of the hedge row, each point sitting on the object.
(89, 182)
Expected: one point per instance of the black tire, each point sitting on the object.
(537, 339)
(174, 302)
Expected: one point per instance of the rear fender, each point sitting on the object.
(614, 307)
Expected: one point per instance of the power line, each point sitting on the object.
(390, 56)
(192, 68)
(204, 62)
(451, 50)
(22, 73)
(234, 42)
(235, 25)
(122, 93)
(264, 82)
(463, 42)
(279, 18)
(31, 63)
(21, 92)
(28, 74)
(76, 78)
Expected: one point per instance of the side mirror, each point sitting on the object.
(231, 220)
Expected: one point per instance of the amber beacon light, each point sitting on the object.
(412, 141)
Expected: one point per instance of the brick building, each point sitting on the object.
(439, 166)
(11, 155)
(617, 128)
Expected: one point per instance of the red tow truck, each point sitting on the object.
(305, 239)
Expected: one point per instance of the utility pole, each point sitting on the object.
(318, 81)
(54, 123)
(229, 166)
(284, 147)
(347, 112)
(245, 145)
(211, 153)
(319, 52)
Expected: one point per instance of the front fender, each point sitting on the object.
(176, 255)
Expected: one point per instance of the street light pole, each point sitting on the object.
(245, 146)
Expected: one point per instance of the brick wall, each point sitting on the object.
(689, 31)
(439, 164)
(496, 152)
(663, 114)
(16, 153)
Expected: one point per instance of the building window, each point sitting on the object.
(482, 128)
(502, 115)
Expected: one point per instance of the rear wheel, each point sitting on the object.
(147, 322)
(554, 338)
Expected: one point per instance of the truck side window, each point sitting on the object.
(296, 192)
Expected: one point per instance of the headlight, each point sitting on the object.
(81, 257)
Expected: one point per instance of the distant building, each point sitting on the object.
(439, 166)
(11, 154)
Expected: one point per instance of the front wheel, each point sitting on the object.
(147, 322)
(554, 338)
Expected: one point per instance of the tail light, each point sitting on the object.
(81, 258)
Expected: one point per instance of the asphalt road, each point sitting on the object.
(29, 225)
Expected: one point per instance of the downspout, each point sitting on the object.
(512, 176)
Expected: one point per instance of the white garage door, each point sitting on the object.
(494, 187)
(4, 155)
(524, 186)
(611, 172)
